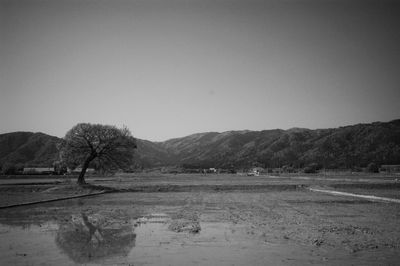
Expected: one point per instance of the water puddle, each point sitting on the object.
(95, 239)
(30, 245)
(154, 218)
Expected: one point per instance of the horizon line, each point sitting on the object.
(220, 132)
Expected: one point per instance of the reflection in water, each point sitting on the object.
(89, 238)
(109, 239)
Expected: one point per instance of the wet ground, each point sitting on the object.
(264, 226)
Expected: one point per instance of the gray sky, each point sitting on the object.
(171, 68)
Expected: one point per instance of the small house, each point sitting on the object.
(38, 170)
(390, 168)
(79, 169)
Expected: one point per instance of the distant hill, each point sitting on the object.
(27, 148)
(343, 147)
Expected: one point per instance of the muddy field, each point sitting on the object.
(200, 220)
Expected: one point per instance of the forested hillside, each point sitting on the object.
(28, 149)
(344, 147)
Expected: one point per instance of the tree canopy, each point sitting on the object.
(102, 145)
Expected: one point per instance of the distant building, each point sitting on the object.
(79, 169)
(390, 168)
(255, 171)
(38, 170)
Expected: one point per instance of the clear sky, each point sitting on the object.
(169, 68)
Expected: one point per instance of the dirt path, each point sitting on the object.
(367, 197)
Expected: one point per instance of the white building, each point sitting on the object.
(38, 170)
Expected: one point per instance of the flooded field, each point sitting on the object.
(251, 227)
(149, 243)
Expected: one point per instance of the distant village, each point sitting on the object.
(255, 171)
(53, 171)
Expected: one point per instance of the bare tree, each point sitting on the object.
(103, 145)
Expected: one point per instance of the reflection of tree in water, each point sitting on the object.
(88, 238)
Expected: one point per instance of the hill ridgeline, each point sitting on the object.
(343, 147)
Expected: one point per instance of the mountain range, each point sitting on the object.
(343, 147)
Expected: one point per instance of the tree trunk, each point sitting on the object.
(81, 178)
